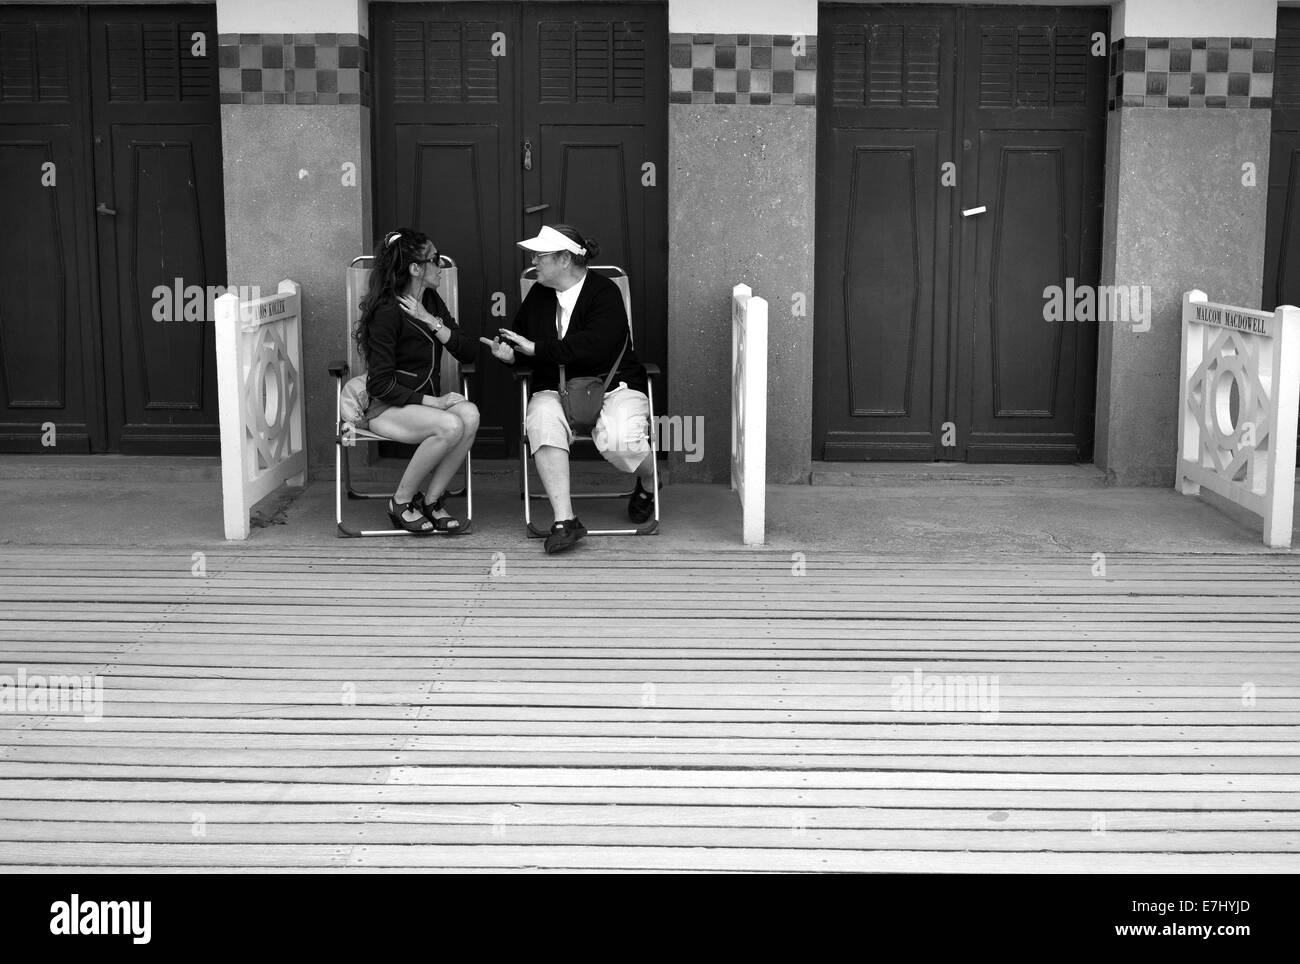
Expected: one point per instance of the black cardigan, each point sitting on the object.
(596, 332)
(404, 355)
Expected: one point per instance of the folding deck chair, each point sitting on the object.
(523, 375)
(451, 372)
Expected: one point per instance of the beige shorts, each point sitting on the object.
(621, 434)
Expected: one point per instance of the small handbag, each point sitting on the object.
(354, 400)
(582, 398)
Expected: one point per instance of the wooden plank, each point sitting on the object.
(616, 775)
(301, 765)
(1095, 800)
(504, 830)
(641, 857)
(161, 735)
(111, 812)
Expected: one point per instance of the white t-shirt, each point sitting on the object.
(567, 299)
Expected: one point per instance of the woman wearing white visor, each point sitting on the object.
(576, 318)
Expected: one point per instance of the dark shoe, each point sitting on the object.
(397, 510)
(564, 534)
(451, 525)
(641, 507)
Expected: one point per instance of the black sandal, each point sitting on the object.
(450, 525)
(419, 527)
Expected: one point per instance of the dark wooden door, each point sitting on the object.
(117, 99)
(493, 119)
(1033, 125)
(49, 371)
(1282, 240)
(883, 259)
(157, 141)
(930, 342)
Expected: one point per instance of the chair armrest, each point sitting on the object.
(521, 372)
(651, 369)
(469, 368)
(338, 368)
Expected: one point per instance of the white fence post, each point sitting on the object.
(749, 411)
(260, 397)
(1239, 390)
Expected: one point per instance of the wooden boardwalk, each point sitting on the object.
(442, 707)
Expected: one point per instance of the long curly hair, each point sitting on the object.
(394, 255)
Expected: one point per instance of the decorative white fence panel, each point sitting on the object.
(1239, 388)
(260, 392)
(749, 410)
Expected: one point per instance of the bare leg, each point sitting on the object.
(646, 472)
(435, 432)
(553, 467)
(441, 476)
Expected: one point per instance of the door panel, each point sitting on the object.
(158, 165)
(882, 271)
(999, 108)
(1023, 368)
(594, 175)
(160, 219)
(1035, 114)
(464, 223)
(47, 320)
(884, 346)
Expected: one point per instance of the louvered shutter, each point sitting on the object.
(445, 62)
(886, 65)
(1033, 66)
(152, 63)
(591, 62)
(33, 63)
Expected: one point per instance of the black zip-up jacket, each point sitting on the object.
(404, 355)
(596, 332)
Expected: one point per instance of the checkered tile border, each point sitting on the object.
(1191, 72)
(295, 68)
(741, 68)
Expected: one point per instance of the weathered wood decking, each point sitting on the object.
(420, 706)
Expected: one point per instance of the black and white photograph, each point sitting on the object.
(651, 436)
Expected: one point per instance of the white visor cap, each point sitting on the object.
(548, 239)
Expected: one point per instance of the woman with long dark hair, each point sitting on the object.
(404, 328)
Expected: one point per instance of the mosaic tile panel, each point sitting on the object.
(1234, 72)
(295, 68)
(755, 69)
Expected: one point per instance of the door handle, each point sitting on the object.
(969, 212)
(102, 208)
(535, 208)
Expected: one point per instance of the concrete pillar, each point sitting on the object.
(742, 134)
(1186, 202)
(295, 119)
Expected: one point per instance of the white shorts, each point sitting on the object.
(621, 433)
